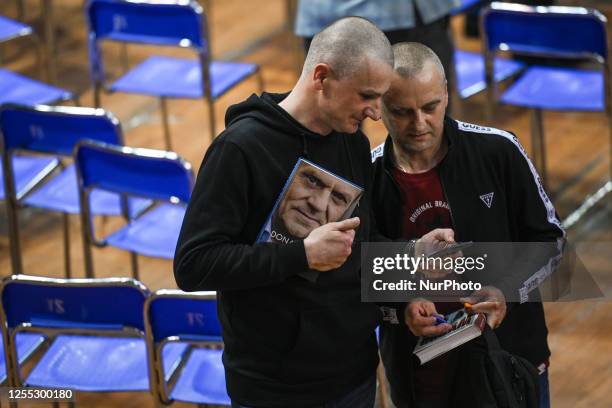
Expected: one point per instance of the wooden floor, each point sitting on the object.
(580, 332)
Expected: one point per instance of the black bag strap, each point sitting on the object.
(491, 339)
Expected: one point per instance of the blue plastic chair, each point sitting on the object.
(53, 131)
(95, 327)
(17, 88)
(469, 67)
(179, 24)
(153, 174)
(557, 32)
(175, 317)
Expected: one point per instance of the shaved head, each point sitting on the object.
(411, 57)
(345, 44)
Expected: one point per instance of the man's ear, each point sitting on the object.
(320, 73)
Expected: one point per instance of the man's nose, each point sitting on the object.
(373, 111)
(419, 120)
(318, 201)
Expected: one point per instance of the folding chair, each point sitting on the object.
(168, 23)
(152, 174)
(572, 33)
(95, 329)
(17, 88)
(175, 317)
(52, 131)
(469, 67)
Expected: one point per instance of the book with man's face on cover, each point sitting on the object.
(311, 197)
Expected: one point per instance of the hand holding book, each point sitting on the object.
(328, 246)
(490, 301)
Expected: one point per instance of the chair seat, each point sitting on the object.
(61, 194)
(12, 29)
(202, 380)
(16, 88)
(470, 70)
(28, 171)
(88, 363)
(558, 89)
(27, 343)
(154, 234)
(181, 78)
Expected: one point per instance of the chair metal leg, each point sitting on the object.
(260, 81)
(134, 262)
(47, 8)
(539, 145)
(211, 119)
(20, 10)
(125, 62)
(165, 121)
(66, 225)
(12, 219)
(96, 95)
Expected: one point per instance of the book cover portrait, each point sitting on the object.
(312, 197)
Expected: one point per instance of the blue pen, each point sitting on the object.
(440, 320)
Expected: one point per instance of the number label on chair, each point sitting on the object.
(56, 306)
(119, 23)
(195, 319)
(36, 132)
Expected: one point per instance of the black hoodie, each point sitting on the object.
(288, 342)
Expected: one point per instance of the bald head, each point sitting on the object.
(410, 58)
(345, 44)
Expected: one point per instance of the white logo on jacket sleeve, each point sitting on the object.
(487, 199)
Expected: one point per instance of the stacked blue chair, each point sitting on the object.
(572, 33)
(179, 24)
(150, 174)
(53, 131)
(469, 67)
(19, 89)
(175, 317)
(95, 328)
(16, 88)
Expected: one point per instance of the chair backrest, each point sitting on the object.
(173, 315)
(65, 304)
(55, 130)
(155, 174)
(572, 32)
(190, 316)
(178, 23)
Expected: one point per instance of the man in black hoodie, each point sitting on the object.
(291, 342)
(473, 179)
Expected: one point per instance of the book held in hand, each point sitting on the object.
(465, 328)
(311, 197)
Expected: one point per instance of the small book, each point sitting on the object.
(465, 328)
(311, 197)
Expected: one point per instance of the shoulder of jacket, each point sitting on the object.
(490, 137)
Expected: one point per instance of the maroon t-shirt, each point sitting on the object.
(424, 208)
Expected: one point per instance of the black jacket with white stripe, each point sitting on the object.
(483, 166)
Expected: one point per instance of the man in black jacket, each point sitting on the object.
(289, 341)
(435, 172)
